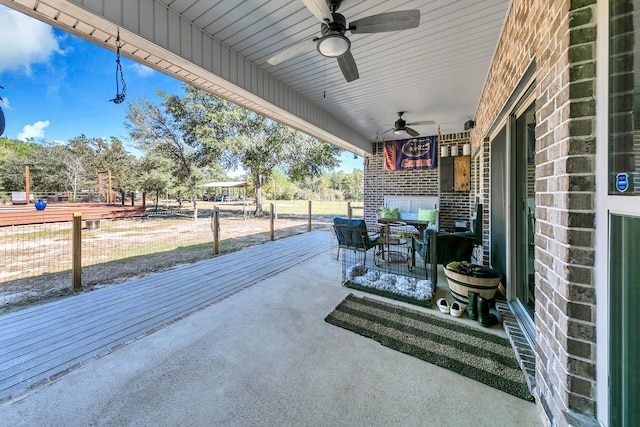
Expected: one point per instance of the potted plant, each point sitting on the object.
(464, 276)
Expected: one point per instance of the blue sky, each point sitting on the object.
(58, 86)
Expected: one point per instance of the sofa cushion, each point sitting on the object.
(427, 215)
(409, 216)
(390, 213)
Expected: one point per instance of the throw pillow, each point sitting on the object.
(428, 215)
(389, 213)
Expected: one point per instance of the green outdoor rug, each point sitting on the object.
(476, 354)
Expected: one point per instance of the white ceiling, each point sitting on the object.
(433, 72)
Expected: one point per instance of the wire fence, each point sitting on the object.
(37, 259)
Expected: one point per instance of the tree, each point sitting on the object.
(188, 131)
(14, 156)
(200, 129)
(97, 155)
(353, 186)
(157, 175)
(261, 145)
(76, 174)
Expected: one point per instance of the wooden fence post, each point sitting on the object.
(349, 211)
(144, 199)
(309, 223)
(76, 249)
(271, 218)
(133, 198)
(113, 200)
(215, 227)
(26, 185)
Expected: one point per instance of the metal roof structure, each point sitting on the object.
(225, 184)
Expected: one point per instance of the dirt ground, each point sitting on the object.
(236, 234)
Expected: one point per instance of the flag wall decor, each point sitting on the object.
(412, 153)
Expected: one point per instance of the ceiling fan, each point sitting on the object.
(334, 44)
(401, 127)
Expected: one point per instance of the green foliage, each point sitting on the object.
(58, 168)
(261, 145)
(156, 176)
(347, 186)
(14, 146)
(14, 155)
(98, 155)
(45, 161)
(187, 139)
(186, 130)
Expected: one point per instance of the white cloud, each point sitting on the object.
(25, 41)
(4, 103)
(34, 131)
(142, 70)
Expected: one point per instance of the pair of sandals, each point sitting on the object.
(455, 308)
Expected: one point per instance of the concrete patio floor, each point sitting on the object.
(266, 357)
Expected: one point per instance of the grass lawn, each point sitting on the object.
(291, 207)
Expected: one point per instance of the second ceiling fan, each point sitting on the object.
(401, 127)
(334, 44)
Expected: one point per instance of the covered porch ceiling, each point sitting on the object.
(435, 72)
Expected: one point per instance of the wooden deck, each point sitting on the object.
(43, 342)
(63, 212)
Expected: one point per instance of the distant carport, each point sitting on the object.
(228, 185)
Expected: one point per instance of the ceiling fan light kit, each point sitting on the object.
(333, 45)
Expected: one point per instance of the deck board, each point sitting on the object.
(41, 342)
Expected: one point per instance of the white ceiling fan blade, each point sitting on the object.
(291, 51)
(424, 122)
(319, 9)
(383, 22)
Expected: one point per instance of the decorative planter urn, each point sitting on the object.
(471, 277)
(40, 205)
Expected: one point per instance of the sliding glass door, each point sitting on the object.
(523, 240)
(513, 208)
(622, 209)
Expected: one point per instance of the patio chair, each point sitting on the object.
(450, 246)
(352, 234)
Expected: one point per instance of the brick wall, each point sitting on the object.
(560, 36)
(423, 182)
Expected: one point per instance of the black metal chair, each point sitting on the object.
(352, 234)
(450, 246)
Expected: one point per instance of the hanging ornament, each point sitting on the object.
(1, 117)
(119, 76)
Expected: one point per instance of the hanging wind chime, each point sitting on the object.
(119, 75)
